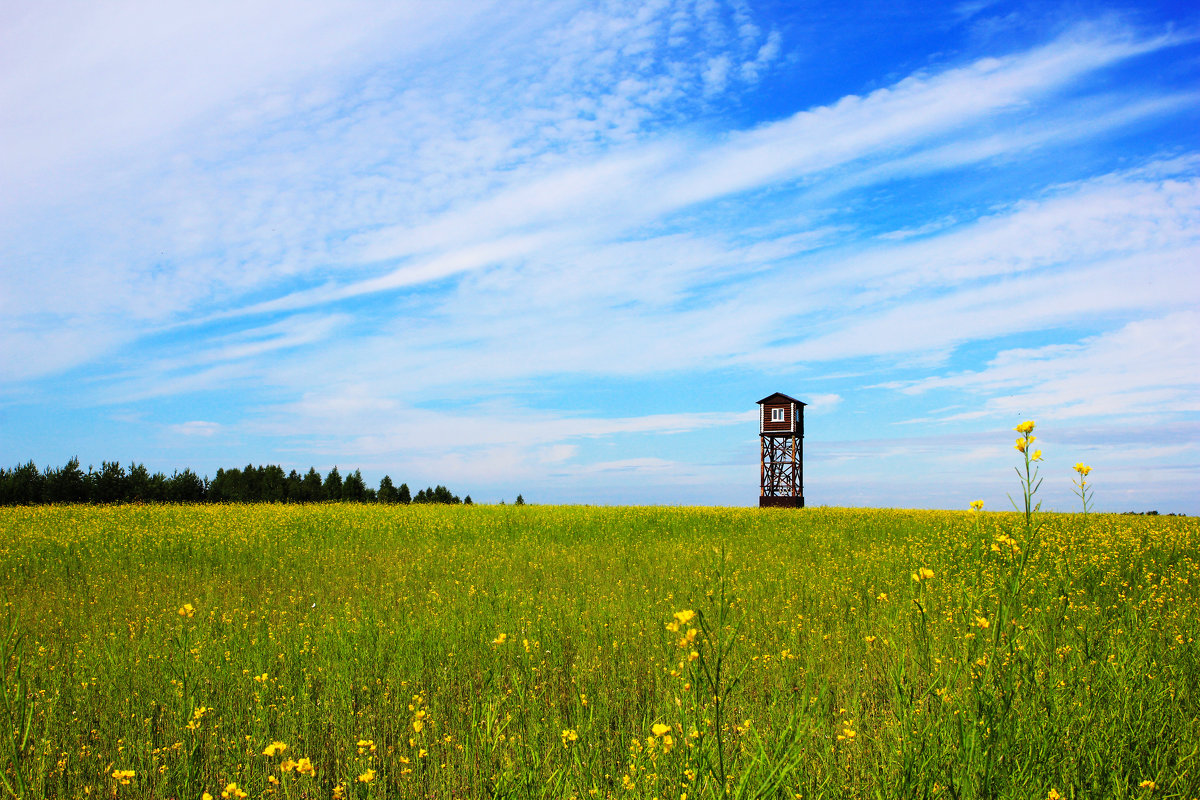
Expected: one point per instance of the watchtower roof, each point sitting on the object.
(780, 397)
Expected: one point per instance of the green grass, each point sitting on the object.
(840, 675)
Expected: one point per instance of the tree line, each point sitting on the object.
(113, 483)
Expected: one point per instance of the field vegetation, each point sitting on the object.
(370, 651)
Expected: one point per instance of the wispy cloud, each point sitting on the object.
(1146, 367)
(196, 427)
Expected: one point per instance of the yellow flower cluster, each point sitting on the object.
(197, 715)
(419, 712)
(681, 618)
(302, 767)
(1082, 469)
(1005, 543)
(1026, 440)
(663, 734)
(123, 776)
(922, 574)
(685, 642)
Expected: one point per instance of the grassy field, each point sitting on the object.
(158, 651)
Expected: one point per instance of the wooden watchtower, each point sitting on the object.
(781, 435)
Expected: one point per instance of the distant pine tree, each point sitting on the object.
(186, 487)
(387, 492)
(137, 483)
(66, 485)
(294, 487)
(108, 485)
(333, 485)
(314, 489)
(354, 489)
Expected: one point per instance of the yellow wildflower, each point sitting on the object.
(1037, 456)
(186, 610)
(501, 639)
(1025, 427)
(232, 792)
(569, 736)
(339, 792)
(981, 622)
(1054, 795)
(659, 729)
(1148, 785)
(206, 796)
(274, 749)
(261, 678)
(685, 616)
(197, 715)
(287, 765)
(1007, 542)
(305, 767)
(1082, 469)
(365, 745)
(367, 777)
(923, 574)
(977, 505)
(123, 775)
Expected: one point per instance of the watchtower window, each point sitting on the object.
(777, 415)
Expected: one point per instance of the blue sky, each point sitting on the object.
(562, 248)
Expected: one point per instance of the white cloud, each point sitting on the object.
(588, 204)
(196, 427)
(87, 82)
(1146, 367)
(822, 403)
(716, 75)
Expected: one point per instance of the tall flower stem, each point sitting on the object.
(1082, 490)
(1030, 482)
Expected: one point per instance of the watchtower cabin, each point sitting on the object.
(781, 436)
